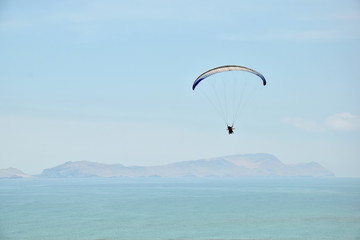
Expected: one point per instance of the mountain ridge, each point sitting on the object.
(13, 173)
(240, 165)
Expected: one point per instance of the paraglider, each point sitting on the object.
(230, 129)
(229, 92)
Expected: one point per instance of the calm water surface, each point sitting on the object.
(189, 208)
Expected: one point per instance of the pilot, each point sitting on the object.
(230, 129)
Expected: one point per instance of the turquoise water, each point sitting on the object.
(151, 208)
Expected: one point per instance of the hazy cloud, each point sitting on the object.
(336, 122)
(343, 122)
(304, 124)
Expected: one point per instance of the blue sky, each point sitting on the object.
(110, 81)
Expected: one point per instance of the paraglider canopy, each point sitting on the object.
(227, 92)
(225, 69)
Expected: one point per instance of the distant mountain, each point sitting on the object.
(13, 173)
(259, 164)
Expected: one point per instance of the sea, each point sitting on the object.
(179, 209)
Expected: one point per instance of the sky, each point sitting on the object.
(110, 81)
